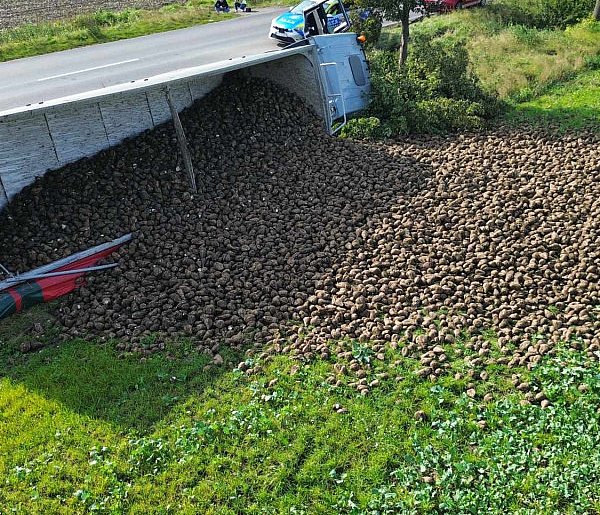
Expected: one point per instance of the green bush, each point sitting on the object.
(371, 128)
(560, 13)
(440, 68)
(392, 93)
(435, 92)
(542, 13)
(370, 28)
(362, 128)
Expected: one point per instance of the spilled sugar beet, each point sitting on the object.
(302, 243)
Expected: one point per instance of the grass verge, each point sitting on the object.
(84, 429)
(573, 104)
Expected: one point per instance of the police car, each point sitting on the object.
(309, 18)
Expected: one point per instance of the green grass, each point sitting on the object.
(84, 429)
(103, 26)
(96, 380)
(574, 104)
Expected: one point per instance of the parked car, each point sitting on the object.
(448, 5)
(324, 17)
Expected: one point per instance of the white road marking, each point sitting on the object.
(88, 69)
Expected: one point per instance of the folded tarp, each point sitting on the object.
(53, 280)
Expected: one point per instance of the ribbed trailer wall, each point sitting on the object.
(34, 142)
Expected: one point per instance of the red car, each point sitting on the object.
(448, 5)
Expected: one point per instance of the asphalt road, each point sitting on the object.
(38, 79)
(45, 77)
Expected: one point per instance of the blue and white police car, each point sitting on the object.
(327, 17)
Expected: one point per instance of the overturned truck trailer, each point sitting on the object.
(328, 72)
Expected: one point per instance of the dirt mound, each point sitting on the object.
(19, 12)
(298, 238)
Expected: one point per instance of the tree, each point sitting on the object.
(398, 10)
(597, 11)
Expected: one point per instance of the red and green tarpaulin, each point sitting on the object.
(55, 279)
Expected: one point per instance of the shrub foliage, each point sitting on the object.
(369, 27)
(435, 92)
(541, 14)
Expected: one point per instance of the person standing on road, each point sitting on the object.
(221, 6)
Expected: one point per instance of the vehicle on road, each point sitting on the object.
(312, 18)
(448, 5)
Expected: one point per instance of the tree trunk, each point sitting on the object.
(405, 35)
(597, 11)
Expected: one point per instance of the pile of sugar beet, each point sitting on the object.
(303, 243)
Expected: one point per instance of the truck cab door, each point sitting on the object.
(338, 19)
(315, 21)
(326, 17)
